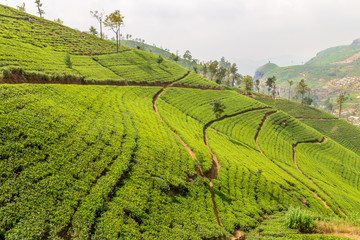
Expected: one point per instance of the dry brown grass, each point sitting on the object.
(338, 228)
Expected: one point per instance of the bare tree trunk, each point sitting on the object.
(289, 92)
(101, 35)
(340, 111)
(117, 42)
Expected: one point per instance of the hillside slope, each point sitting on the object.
(339, 130)
(91, 160)
(159, 51)
(34, 51)
(332, 71)
(97, 161)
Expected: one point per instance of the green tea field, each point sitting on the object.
(124, 146)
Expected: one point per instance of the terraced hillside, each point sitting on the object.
(159, 51)
(151, 161)
(339, 130)
(33, 50)
(39, 32)
(97, 161)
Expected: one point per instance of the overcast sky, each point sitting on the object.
(248, 32)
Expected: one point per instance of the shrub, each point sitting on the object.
(67, 61)
(298, 218)
(6, 72)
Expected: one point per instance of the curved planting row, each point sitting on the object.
(288, 135)
(246, 179)
(88, 162)
(341, 131)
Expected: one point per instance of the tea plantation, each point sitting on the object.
(339, 130)
(130, 148)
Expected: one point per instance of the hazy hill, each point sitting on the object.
(330, 72)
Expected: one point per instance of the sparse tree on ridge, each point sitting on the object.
(21, 7)
(213, 68)
(93, 31)
(205, 69)
(257, 85)
(291, 82)
(238, 79)
(248, 82)
(233, 71)
(220, 74)
(99, 16)
(270, 83)
(302, 89)
(218, 109)
(341, 99)
(330, 107)
(114, 22)
(58, 20)
(187, 55)
(39, 5)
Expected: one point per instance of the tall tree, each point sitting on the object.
(341, 99)
(257, 85)
(218, 109)
(187, 55)
(248, 83)
(213, 68)
(114, 22)
(239, 78)
(21, 7)
(291, 82)
(233, 72)
(205, 69)
(39, 5)
(99, 16)
(220, 74)
(270, 83)
(301, 89)
(93, 31)
(330, 107)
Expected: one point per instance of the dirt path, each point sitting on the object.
(214, 171)
(310, 180)
(192, 154)
(294, 159)
(214, 203)
(260, 128)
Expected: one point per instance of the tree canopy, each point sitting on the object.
(114, 22)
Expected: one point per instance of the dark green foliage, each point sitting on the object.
(218, 107)
(67, 61)
(160, 59)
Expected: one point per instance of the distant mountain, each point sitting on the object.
(330, 72)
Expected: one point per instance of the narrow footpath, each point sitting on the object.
(294, 159)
